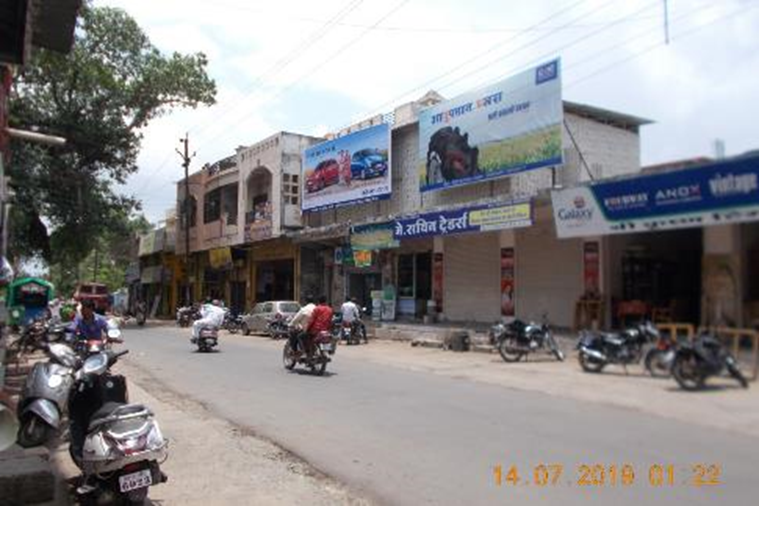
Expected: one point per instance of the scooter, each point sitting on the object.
(208, 339)
(117, 446)
(44, 398)
(323, 348)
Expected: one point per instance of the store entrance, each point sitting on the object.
(657, 276)
(275, 281)
(361, 286)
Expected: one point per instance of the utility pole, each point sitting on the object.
(186, 158)
(666, 23)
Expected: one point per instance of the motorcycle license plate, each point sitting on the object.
(136, 480)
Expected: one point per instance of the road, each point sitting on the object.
(405, 437)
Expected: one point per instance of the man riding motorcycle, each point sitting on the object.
(88, 325)
(352, 316)
(301, 322)
(321, 321)
(211, 315)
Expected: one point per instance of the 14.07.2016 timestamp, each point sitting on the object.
(608, 475)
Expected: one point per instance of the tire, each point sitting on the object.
(287, 359)
(508, 349)
(684, 374)
(554, 347)
(135, 497)
(233, 328)
(657, 364)
(735, 372)
(245, 329)
(33, 432)
(591, 365)
(319, 368)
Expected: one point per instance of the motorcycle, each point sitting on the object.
(278, 327)
(518, 339)
(705, 357)
(232, 322)
(323, 348)
(208, 339)
(597, 349)
(186, 315)
(117, 446)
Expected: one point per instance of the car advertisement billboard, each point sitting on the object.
(719, 193)
(506, 128)
(348, 170)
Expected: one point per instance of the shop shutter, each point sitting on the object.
(548, 274)
(471, 281)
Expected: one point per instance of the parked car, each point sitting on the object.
(257, 321)
(325, 174)
(368, 163)
(97, 292)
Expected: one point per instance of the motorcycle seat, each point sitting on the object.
(613, 338)
(114, 410)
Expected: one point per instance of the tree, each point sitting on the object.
(99, 97)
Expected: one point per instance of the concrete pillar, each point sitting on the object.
(721, 276)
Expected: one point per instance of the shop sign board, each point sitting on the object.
(506, 128)
(719, 193)
(479, 218)
(347, 170)
(373, 237)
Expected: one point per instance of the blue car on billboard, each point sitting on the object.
(368, 163)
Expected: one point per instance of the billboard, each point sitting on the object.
(506, 128)
(719, 193)
(348, 170)
(478, 218)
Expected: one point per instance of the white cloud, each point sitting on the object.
(698, 88)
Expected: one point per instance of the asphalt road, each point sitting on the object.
(403, 437)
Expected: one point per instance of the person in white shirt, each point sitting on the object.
(350, 311)
(352, 314)
(300, 322)
(211, 315)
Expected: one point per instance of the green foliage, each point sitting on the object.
(99, 97)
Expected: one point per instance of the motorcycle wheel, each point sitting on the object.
(233, 328)
(591, 365)
(318, 368)
(686, 373)
(735, 372)
(287, 358)
(554, 347)
(508, 350)
(658, 364)
(33, 432)
(135, 497)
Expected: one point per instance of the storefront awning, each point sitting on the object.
(722, 192)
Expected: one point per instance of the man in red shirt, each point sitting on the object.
(321, 320)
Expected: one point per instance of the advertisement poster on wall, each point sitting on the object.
(508, 292)
(591, 266)
(437, 280)
(512, 126)
(723, 192)
(348, 170)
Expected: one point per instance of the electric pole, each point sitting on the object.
(186, 158)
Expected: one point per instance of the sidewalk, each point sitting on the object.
(723, 405)
(213, 462)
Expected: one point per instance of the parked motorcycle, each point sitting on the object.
(278, 327)
(117, 446)
(208, 339)
(323, 348)
(44, 398)
(701, 359)
(518, 339)
(598, 349)
(232, 322)
(186, 315)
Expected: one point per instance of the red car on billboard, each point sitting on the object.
(326, 174)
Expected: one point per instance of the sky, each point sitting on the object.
(315, 67)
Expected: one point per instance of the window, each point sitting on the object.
(290, 189)
(229, 203)
(212, 206)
